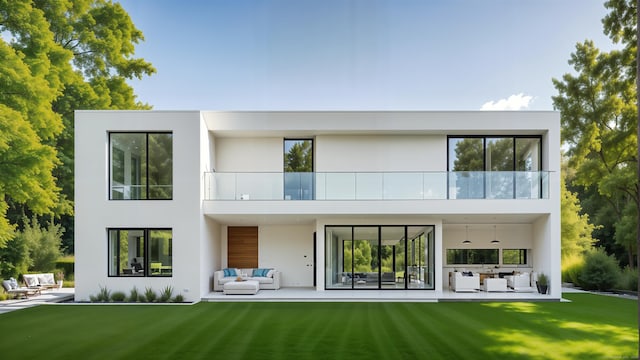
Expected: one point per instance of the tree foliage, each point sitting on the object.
(599, 121)
(576, 229)
(57, 57)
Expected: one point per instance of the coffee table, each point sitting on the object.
(245, 287)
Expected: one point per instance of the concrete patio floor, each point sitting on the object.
(47, 297)
(310, 294)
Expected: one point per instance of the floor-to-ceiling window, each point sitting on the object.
(494, 167)
(298, 169)
(379, 257)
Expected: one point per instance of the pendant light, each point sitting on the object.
(466, 238)
(495, 238)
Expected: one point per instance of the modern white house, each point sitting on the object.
(334, 200)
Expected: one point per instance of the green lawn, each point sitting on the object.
(591, 326)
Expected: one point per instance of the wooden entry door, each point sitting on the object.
(242, 247)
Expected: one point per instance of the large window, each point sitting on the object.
(298, 169)
(472, 256)
(141, 166)
(379, 257)
(500, 167)
(140, 252)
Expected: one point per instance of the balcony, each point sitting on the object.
(377, 185)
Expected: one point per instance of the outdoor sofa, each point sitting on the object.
(44, 281)
(267, 278)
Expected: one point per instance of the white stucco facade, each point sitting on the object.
(227, 171)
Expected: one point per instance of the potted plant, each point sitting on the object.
(542, 283)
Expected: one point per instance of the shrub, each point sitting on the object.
(178, 299)
(150, 295)
(133, 295)
(165, 294)
(44, 244)
(600, 271)
(104, 295)
(628, 279)
(66, 264)
(118, 296)
(571, 268)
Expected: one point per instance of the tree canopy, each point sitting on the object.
(599, 121)
(57, 56)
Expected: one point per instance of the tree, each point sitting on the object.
(63, 56)
(598, 115)
(601, 105)
(28, 85)
(576, 229)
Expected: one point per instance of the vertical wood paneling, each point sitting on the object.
(242, 247)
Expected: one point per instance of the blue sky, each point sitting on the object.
(359, 54)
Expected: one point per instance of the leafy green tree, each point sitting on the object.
(599, 123)
(576, 229)
(62, 56)
(29, 84)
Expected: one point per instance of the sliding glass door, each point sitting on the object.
(379, 257)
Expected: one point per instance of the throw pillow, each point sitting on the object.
(229, 272)
(260, 272)
(270, 273)
(14, 283)
(31, 280)
(6, 284)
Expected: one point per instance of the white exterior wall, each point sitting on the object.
(288, 248)
(249, 154)
(350, 153)
(95, 213)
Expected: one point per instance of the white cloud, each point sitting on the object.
(513, 102)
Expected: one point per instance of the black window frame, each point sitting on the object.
(146, 170)
(406, 256)
(522, 254)
(484, 157)
(147, 243)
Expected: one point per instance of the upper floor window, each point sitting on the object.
(298, 169)
(497, 167)
(141, 165)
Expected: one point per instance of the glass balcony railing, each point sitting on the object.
(377, 185)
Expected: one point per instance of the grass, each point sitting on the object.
(592, 326)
